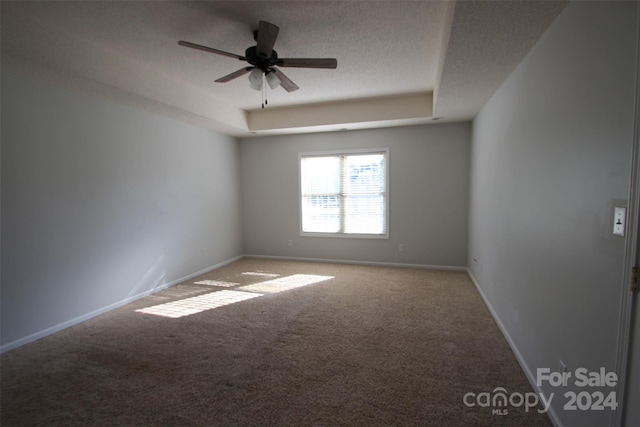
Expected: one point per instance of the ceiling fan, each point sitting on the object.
(263, 60)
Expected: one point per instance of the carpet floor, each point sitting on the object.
(266, 342)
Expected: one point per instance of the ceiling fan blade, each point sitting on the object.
(235, 74)
(307, 62)
(210, 50)
(286, 83)
(267, 34)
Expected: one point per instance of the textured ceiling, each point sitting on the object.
(399, 62)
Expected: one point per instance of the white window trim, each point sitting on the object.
(384, 150)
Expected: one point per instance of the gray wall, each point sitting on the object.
(102, 203)
(551, 156)
(428, 195)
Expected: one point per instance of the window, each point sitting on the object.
(344, 193)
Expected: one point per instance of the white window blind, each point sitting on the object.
(344, 193)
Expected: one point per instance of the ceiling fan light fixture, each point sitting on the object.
(255, 79)
(273, 80)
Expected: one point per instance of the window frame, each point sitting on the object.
(339, 152)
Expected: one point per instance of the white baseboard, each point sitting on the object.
(523, 364)
(60, 326)
(355, 262)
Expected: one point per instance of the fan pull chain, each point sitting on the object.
(264, 91)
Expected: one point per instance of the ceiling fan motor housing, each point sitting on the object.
(263, 63)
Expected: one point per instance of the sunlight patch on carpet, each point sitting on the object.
(259, 274)
(193, 305)
(178, 291)
(285, 283)
(219, 283)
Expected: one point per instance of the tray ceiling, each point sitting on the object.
(399, 62)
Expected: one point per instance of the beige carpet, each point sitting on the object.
(369, 346)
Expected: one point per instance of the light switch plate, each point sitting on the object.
(619, 218)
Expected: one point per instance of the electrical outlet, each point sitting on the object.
(289, 242)
(564, 371)
(401, 247)
(561, 366)
(204, 251)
